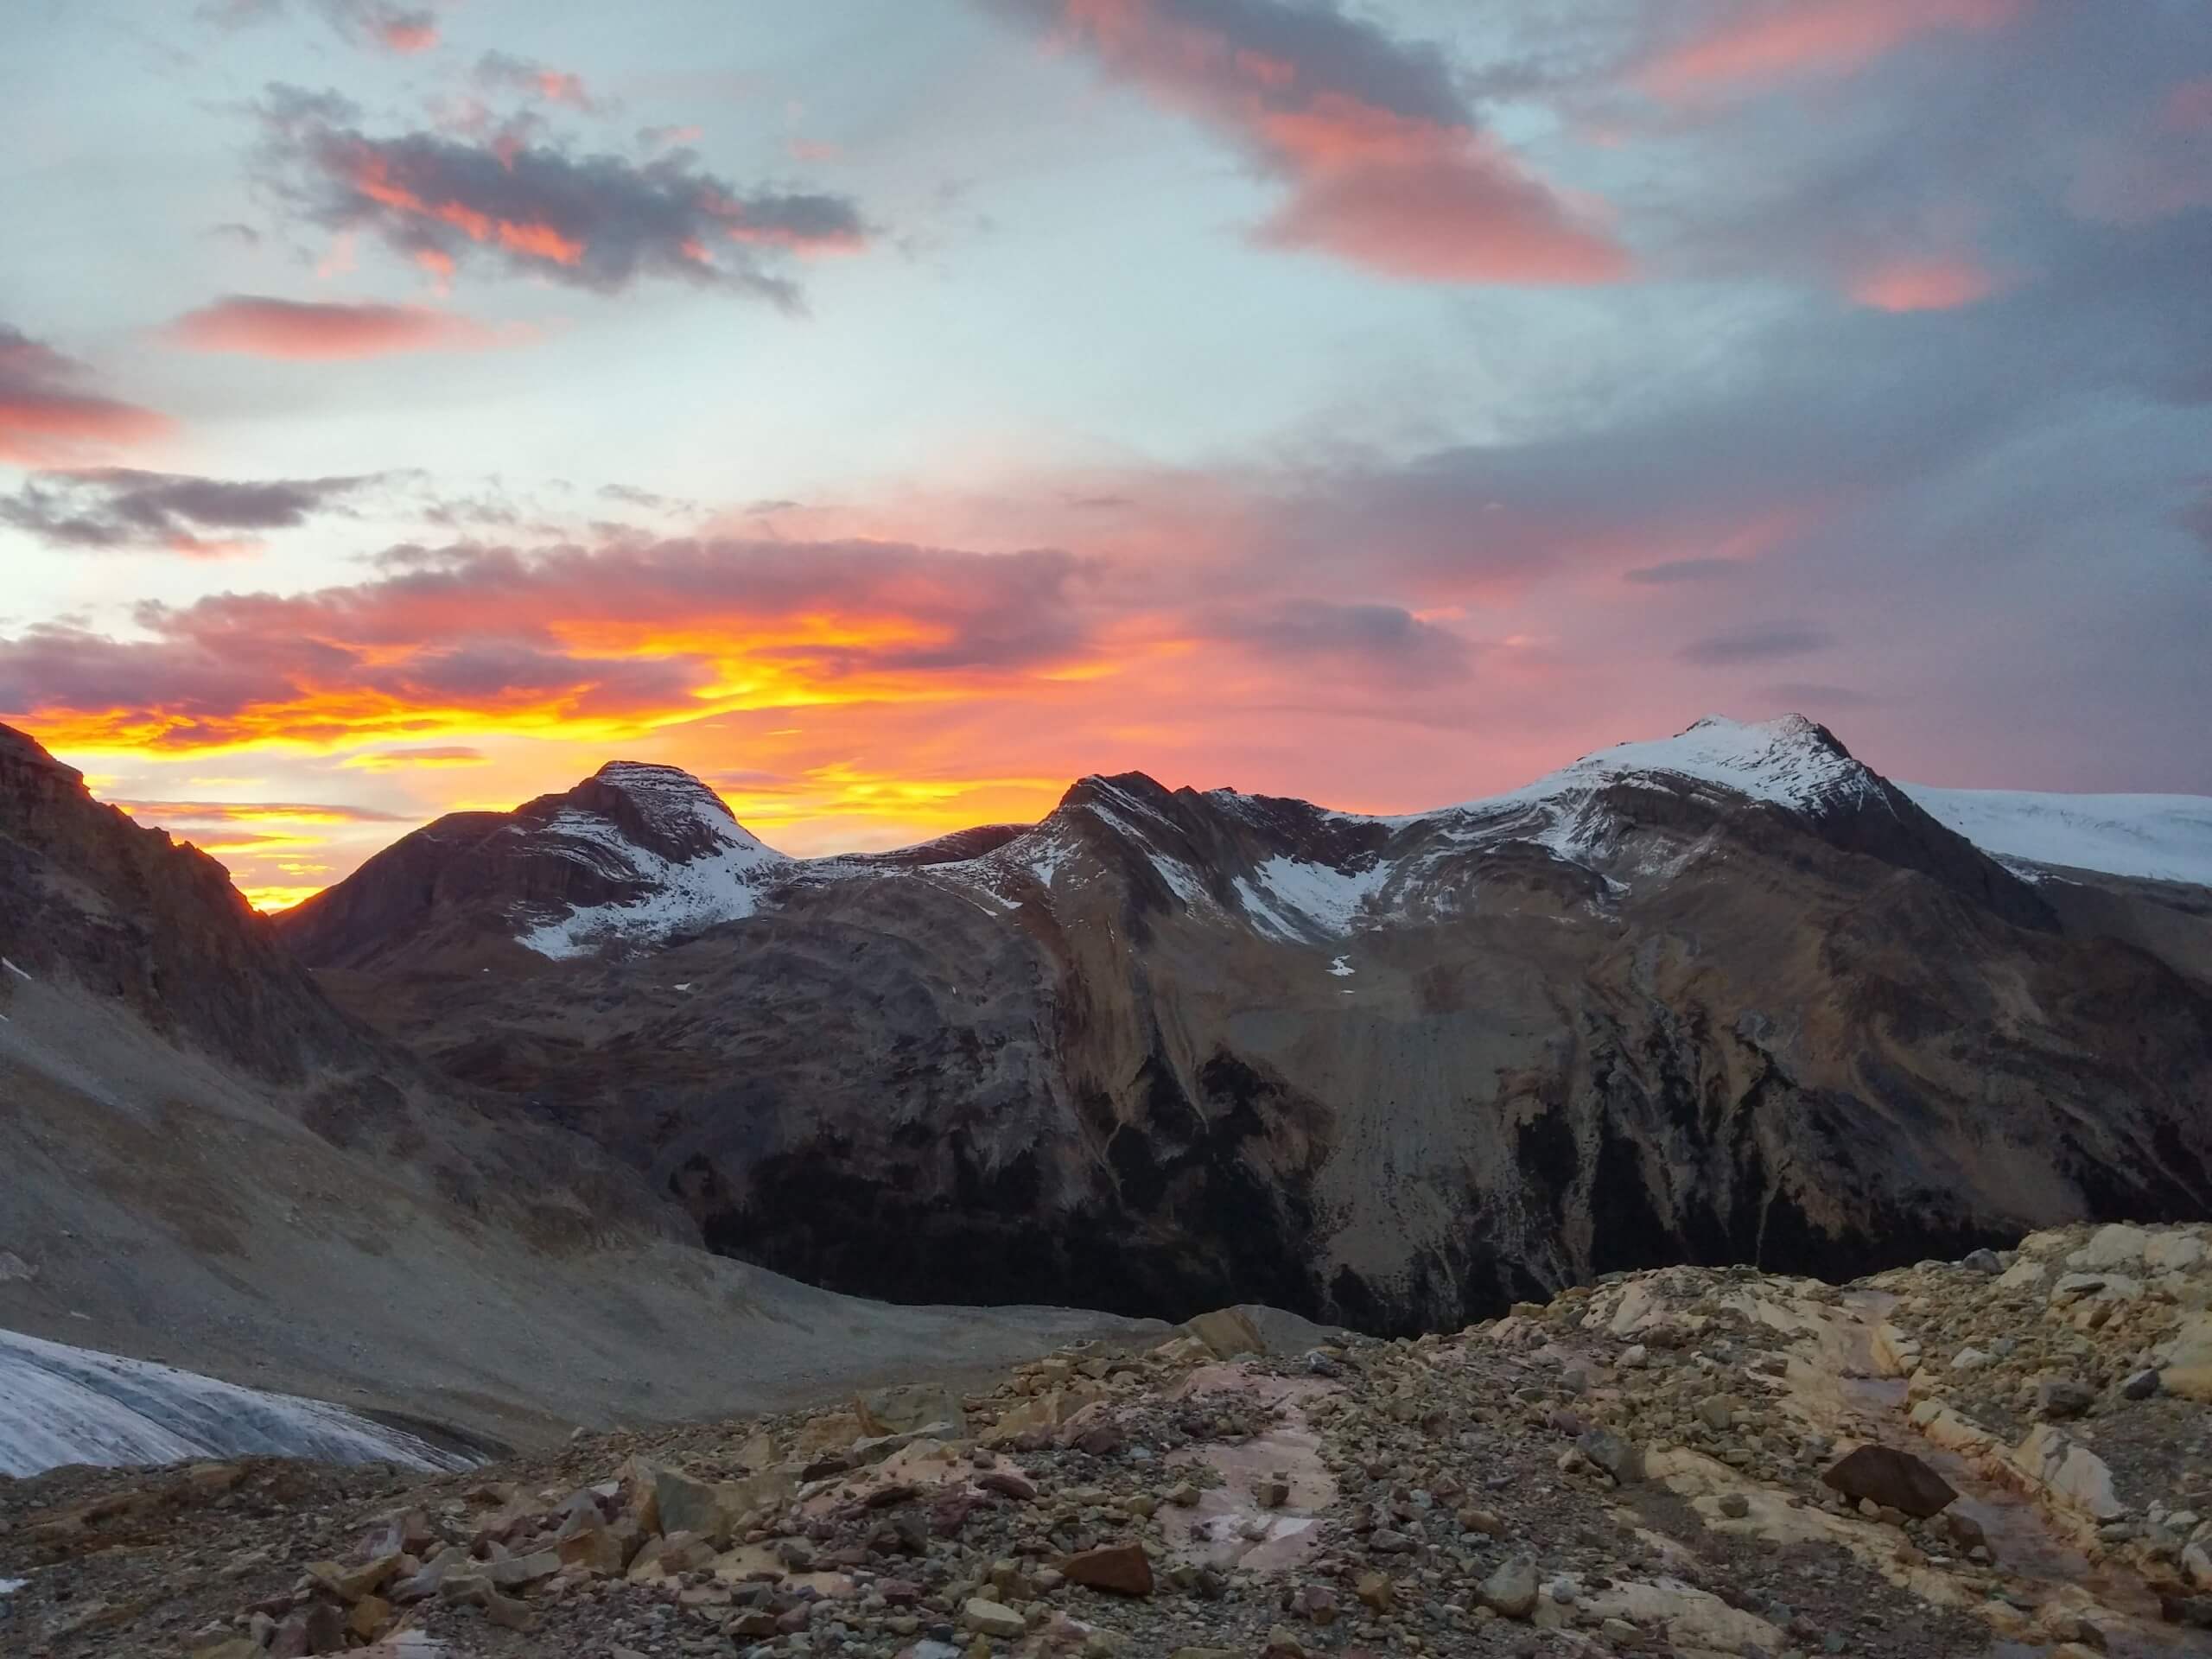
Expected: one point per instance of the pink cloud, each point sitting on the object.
(1386, 165)
(1758, 42)
(1942, 284)
(48, 419)
(252, 325)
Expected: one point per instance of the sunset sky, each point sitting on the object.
(891, 412)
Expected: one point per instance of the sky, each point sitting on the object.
(892, 413)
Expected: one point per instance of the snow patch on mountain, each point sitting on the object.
(1291, 898)
(2151, 838)
(60, 1404)
(1790, 762)
(719, 879)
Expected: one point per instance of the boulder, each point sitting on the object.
(369, 1616)
(1621, 1459)
(2174, 1253)
(2188, 1369)
(1227, 1332)
(1890, 1479)
(684, 1504)
(2114, 1246)
(2024, 1274)
(1120, 1569)
(519, 1571)
(1511, 1590)
(2068, 1471)
(911, 1410)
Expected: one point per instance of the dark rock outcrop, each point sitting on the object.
(128, 912)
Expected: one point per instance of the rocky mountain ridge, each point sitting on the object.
(2002, 1455)
(1727, 996)
(637, 853)
(211, 1167)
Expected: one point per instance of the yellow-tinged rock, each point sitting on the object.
(2188, 1369)
(1227, 1331)
(369, 1616)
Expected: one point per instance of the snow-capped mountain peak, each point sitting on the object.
(672, 854)
(1792, 762)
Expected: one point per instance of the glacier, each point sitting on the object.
(61, 1404)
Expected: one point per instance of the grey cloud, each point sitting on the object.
(1675, 570)
(108, 508)
(1757, 645)
(595, 222)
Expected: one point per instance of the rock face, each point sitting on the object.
(131, 915)
(1730, 996)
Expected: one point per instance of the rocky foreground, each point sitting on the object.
(1992, 1456)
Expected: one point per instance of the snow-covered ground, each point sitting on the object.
(60, 1404)
(2156, 838)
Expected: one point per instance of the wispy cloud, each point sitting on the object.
(47, 418)
(1756, 44)
(503, 72)
(254, 325)
(382, 24)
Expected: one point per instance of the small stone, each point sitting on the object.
(1735, 1505)
(1375, 1591)
(2061, 1397)
(1315, 1604)
(2140, 1385)
(991, 1618)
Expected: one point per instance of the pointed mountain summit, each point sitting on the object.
(633, 855)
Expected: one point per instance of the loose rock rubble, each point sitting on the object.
(1688, 1462)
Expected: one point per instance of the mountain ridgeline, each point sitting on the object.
(1729, 996)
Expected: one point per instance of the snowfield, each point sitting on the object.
(2154, 837)
(60, 1404)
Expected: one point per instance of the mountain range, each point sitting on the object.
(1730, 996)
(210, 1165)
